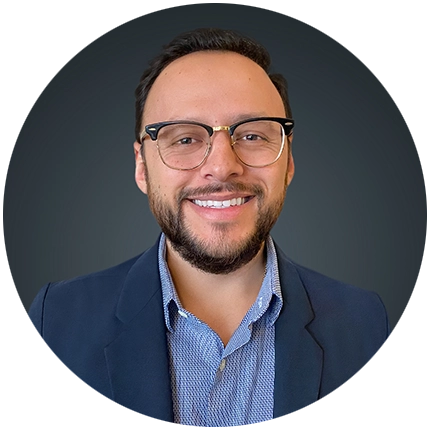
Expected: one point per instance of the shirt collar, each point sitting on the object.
(269, 299)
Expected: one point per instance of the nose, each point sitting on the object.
(222, 162)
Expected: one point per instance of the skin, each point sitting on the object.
(215, 88)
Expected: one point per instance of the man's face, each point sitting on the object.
(215, 88)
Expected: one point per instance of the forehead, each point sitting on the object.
(212, 87)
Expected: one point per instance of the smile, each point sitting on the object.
(218, 204)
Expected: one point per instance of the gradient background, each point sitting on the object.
(356, 210)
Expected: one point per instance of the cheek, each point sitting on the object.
(164, 182)
(278, 177)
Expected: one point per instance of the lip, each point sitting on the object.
(220, 197)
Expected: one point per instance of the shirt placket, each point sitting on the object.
(224, 384)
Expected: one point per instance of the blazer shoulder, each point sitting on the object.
(93, 292)
(339, 306)
(102, 279)
(118, 271)
(323, 290)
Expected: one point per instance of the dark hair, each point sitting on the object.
(206, 39)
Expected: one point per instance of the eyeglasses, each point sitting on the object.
(185, 145)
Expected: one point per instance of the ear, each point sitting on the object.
(290, 165)
(140, 168)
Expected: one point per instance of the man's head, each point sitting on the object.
(215, 216)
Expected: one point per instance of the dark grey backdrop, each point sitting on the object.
(356, 210)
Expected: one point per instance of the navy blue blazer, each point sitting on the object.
(108, 328)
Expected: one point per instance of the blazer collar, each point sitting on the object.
(141, 284)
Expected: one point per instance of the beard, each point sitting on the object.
(220, 255)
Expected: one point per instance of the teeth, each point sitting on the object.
(220, 204)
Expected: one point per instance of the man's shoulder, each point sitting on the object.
(101, 278)
(341, 309)
(95, 294)
(112, 277)
(326, 288)
(331, 301)
(99, 285)
(321, 289)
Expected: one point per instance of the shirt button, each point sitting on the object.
(222, 365)
(182, 314)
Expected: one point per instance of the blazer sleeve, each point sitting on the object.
(36, 311)
(385, 316)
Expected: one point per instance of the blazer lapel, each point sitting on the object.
(137, 359)
(299, 358)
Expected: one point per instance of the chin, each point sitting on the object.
(216, 254)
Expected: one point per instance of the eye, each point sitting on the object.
(251, 137)
(184, 141)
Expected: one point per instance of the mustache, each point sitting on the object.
(230, 187)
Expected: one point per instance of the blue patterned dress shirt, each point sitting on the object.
(217, 386)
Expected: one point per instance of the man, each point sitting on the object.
(214, 325)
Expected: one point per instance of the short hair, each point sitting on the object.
(206, 39)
